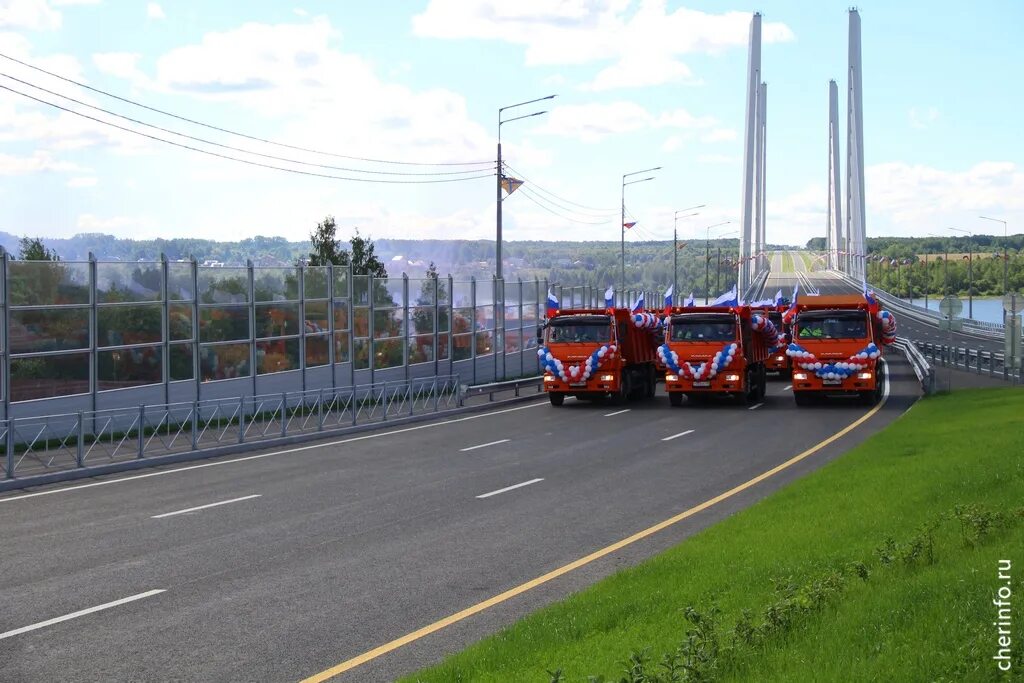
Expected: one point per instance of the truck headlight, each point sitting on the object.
(799, 375)
(863, 375)
(607, 378)
(780, 359)
(671, 378)
(732, 378)
(549, 378)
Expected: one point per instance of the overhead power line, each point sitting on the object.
(236, 133)
(393, 181)
(538, 200)
(236, 149)
(541, 189)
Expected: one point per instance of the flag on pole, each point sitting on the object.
(790, 313)
(609, 297)
(629, 225)
(552, 304)
(690, 301)
(638, 305)
(730, 298)
(778, 298)
(510, 184)
(668, 299)
(870, 298)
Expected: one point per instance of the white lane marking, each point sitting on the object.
(203, 507)
(484, 445)
(272, 453)
(755, 406)
(80, 613)
(786, 388)
(509, 488)
(617, 412)
(676, 436)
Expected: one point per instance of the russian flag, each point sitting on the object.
(870, 298)
(668, 299)
(778, 298)
(790, 313)
(552, 304)
(638, 305)
(727, 299)
(609, 297)
(690, 301)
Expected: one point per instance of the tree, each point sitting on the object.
(32, 249)
(364, 260)
(327, 249)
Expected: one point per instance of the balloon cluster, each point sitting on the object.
(580, 372)
(806, 360)
(698, 371)
(646, 321)
(888, 322)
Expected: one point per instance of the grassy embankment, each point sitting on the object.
(881, 565)
(787, 262)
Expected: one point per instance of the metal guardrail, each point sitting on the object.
(61, 443)
(754, 291)
(922, 369)
(493, 388)
(972, 360)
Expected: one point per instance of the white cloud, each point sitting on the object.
(672, 143)
(922, 119)
(73, 3)
(114, 224)
(593, 122)
(155, 11)
(299, 12)
(40, 161)
(645, 42)
(35, 15)
(719, 135)
(83, 181)
(120, 64)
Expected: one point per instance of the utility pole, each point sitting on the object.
(622, 222)
(675, 242)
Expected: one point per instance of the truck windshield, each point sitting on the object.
(832, 325)
(776, 319)
(589, 329)
(703, 328)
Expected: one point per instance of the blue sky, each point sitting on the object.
(639, 84)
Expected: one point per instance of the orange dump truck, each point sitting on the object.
(716, 350)
(593, 353)
(837, 345)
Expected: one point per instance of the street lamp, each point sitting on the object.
(622, 222)
(675, 243)
(970, 270)
(707, 257)
(1006, 258)
(497, 249)
(718, 262)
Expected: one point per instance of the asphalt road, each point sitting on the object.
(354, 542)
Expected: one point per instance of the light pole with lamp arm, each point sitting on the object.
(497, 249)
(970, 270)
(622, 222)
(1006, 257)
(707, 257)
(718, 262)
(675, 243)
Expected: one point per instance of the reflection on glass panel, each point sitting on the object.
(277, 355)
(530, 337)
(317, 350)
(360, 290)
(224, 285)
(118, 282)
(512, 293)
(387, 353)
(49, 330)
(388, 292)
(461, 346)
(443, 316)
(223, 323)
(512, 344)
(223, 361)
(361, 353)
(122, 325)
(315, 282)
(530, 290)
(341, 347)
(49, 376)
(277, 320)
(512, 317)
(181, 362)
(341, 315)
(462, 320)
(442, 347)
(275, 284)
(530, 314)
(48, 283)
(422, 292)
(421, 349)
(180, 319)
(340, 282)
(484, 342)
(422, 320)
(462, 294)
(179, 281)
(387, 323)
(316, 317)
(485, 318)
(361, 322)
(122, 368)
(443, 291)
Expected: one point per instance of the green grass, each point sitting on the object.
(910, 619)
(787, 262)
(808, 258)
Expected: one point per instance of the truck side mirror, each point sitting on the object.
(540, 334)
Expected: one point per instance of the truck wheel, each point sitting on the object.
(675, 399)
(556, 398)
(751, 391)
(652, 384)
(625, 389)
(802, 398)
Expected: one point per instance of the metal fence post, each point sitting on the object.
(80, 454)
(241, 417)
(252, 324)
(405, 324)
(284, 414)
(9, 447)
(472, 324)
(195, 425)
(142, 428)
(165, 329)
(302, 323)
(451, 325)
(320, 408)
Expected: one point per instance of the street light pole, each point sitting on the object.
(970, 269)
(675, 243)
(1006, 257)
(707, 257)
(622, 216)
(497, 249)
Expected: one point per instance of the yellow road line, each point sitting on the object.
(370, 655)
